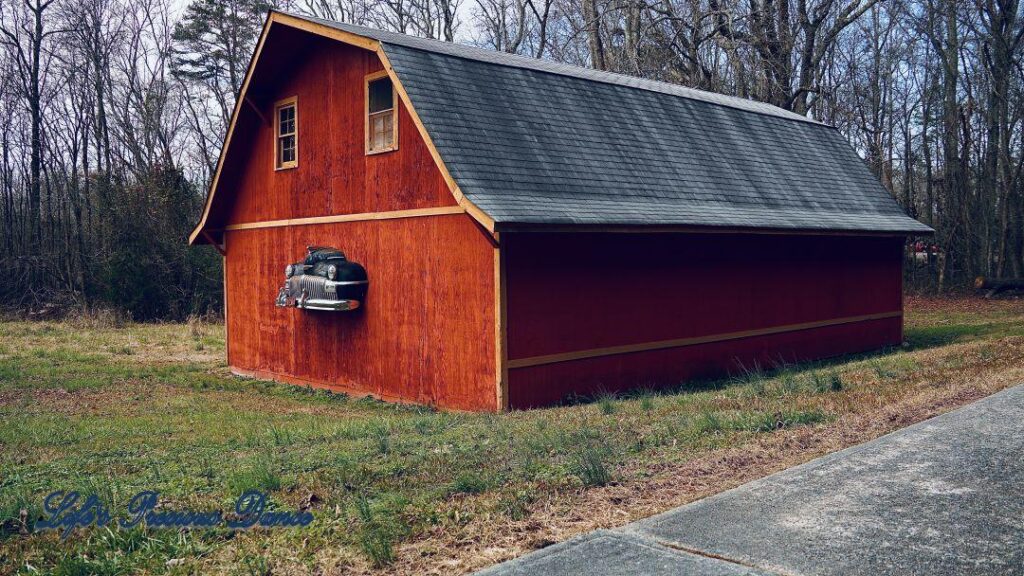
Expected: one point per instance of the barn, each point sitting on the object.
(530, 231)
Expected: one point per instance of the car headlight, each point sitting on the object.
(289, 271)
(332, 272)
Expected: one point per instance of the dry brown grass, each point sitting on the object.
(654, 487)
(87, 403)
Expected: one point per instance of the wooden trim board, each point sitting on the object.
(224, 286)
(478, 214)
(369, 78)
(279, 164)
(500, 330)
(363, 216)
(693, 341)
(243, 92)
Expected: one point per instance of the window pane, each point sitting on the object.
(289, 149)
(381, 95)
(286, 120)
(381, 130)
(285, 143)
(375, 123)
(285, 150)
(388, 130)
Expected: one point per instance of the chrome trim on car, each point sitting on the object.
(332, 305)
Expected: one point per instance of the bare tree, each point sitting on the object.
(115, 129)
(24, 33)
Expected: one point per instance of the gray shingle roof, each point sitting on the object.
(536, 142)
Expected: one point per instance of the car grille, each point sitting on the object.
(314, 287)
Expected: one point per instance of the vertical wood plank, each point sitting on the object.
(426, 333)
(575, 292)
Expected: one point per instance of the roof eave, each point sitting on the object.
(527, 227)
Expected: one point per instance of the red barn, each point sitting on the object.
(532, 230)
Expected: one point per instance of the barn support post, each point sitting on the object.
(500, 331)
(224, 280)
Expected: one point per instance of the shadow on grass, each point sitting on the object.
(742, 376)
(915, 338)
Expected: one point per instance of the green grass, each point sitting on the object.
(606, 402)
(469, 483)
(258, 475)
(115, 409)
(591, 466)
(376, 535)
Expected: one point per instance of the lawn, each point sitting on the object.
(112, 409)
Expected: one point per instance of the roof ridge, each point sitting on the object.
(489, 56)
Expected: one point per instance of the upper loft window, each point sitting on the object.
(286, 143)
(381, 114)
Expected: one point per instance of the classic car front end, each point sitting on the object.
(325, 280)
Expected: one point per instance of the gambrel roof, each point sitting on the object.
(529, 142)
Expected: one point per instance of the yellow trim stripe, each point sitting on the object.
(418, 212)
(693, 341)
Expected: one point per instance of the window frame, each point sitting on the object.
(293, 102)
(372, 77)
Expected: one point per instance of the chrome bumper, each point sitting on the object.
(286, 299)
(330, 305)
(305, 302)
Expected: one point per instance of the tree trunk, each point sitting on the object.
(592, 21)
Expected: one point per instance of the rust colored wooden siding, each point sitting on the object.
(426, 332)
(333, 176)
(425, 335)
(577, 292)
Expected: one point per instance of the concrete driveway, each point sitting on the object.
(942, 497)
